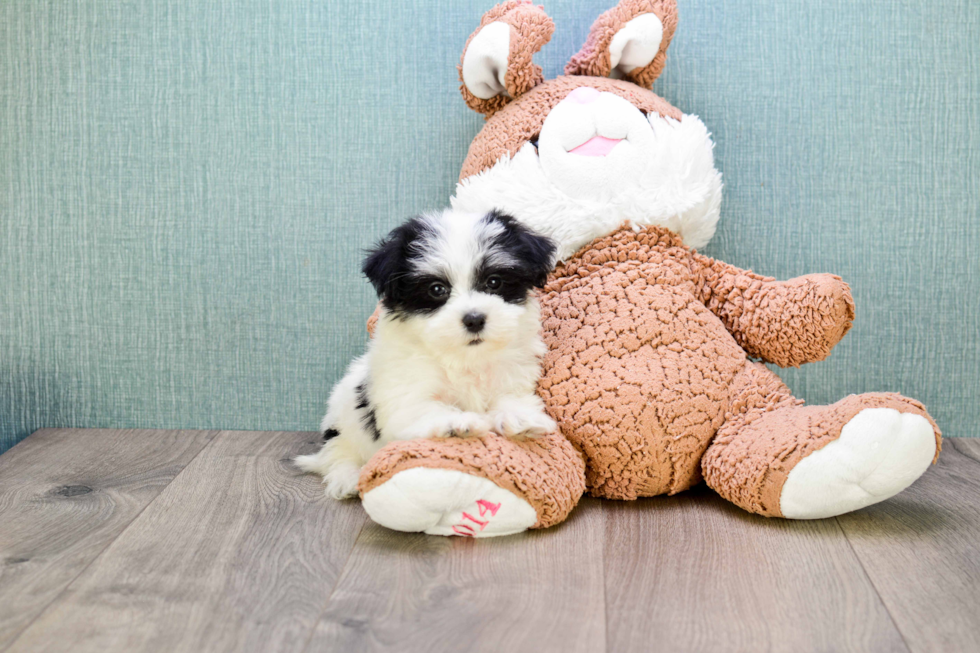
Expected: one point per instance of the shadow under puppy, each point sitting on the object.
(457, 348)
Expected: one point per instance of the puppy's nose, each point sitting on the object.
(474, 322)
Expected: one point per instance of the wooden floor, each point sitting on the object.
(210, 541)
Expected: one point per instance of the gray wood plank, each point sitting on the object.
(239, 553)
(695, 573)
(538, 591)
(65, 494)
(921, 550)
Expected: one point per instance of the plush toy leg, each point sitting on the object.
(474, 487)
(779, 458)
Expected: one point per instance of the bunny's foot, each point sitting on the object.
(473, 487)
(784, 459)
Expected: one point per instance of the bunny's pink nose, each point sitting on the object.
(584, 94)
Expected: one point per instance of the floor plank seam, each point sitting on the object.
(82, 571)
(340, 576)
(871, 582)
(605, 592)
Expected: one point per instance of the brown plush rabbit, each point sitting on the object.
(649, 373)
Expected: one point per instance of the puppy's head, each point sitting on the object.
(461, 280)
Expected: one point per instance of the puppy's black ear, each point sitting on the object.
(535, 252)
(539, 254)
(388, 261)
(381, 264)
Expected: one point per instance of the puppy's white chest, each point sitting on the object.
(472, 389)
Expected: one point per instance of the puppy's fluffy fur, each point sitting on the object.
(457, 347)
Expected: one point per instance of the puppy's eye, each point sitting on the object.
(438, 290)
(494, 282)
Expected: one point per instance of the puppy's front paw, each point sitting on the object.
(517, 423)
(445, 425)
(341, 481)
(465, 425)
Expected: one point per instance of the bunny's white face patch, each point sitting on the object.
(600, 162)
(594, 144)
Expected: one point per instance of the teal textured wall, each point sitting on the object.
(185, 188)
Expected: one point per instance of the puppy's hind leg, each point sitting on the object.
(340, 459)
(339, 463)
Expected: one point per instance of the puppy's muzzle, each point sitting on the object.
(474, 322)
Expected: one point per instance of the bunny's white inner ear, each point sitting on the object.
(636, 44)
(485, 61)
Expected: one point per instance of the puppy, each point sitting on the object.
(457, 347)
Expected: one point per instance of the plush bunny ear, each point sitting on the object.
(628, 42)
(496, 65)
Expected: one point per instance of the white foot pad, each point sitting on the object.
(879, 453)
(447, 502)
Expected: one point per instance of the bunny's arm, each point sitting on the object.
(788, 323)
(372, 321)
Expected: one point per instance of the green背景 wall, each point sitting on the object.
(186, 188)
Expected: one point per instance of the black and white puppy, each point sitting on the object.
(457, 347)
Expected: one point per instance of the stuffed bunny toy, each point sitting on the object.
(653, 371)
